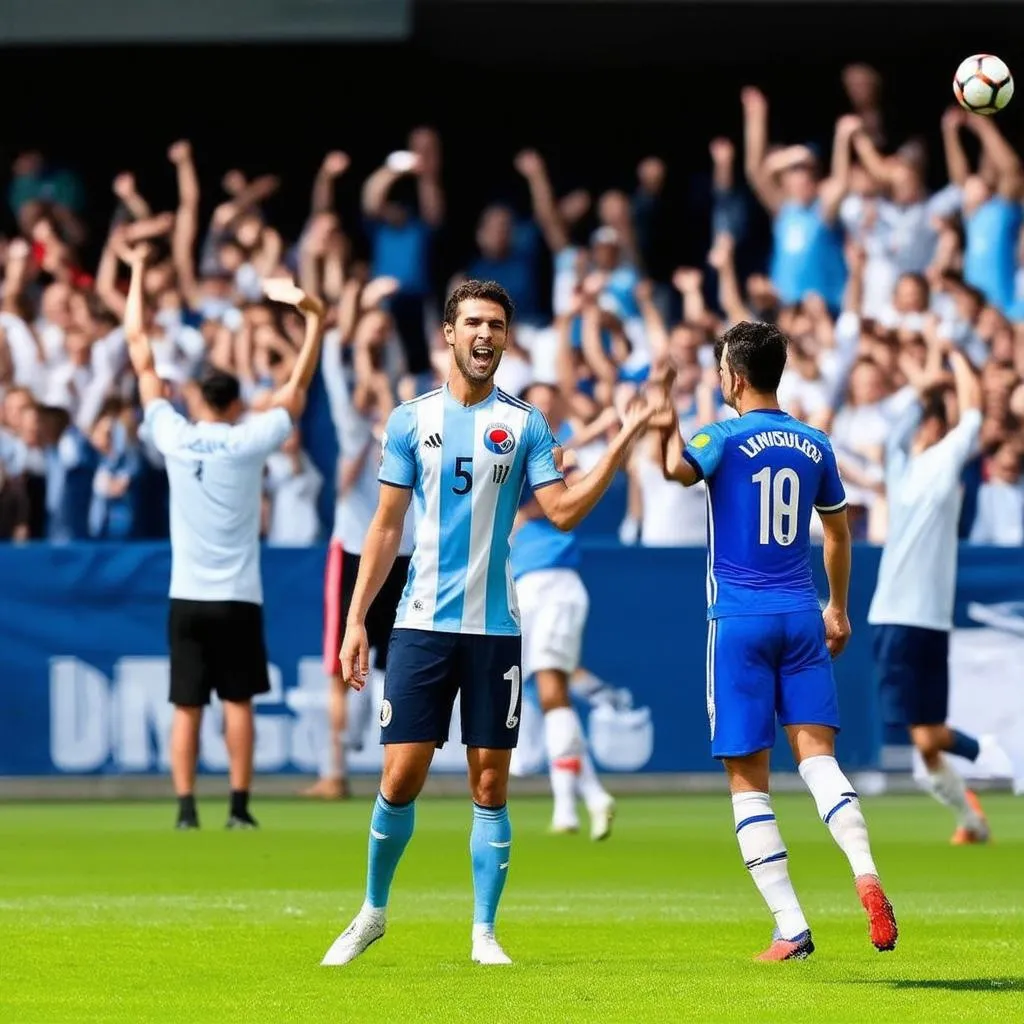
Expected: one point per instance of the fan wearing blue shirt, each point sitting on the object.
(991, 207)
(769, 643)
(462, 453)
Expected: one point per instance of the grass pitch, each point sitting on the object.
(107, 914)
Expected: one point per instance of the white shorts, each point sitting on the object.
(553, 606)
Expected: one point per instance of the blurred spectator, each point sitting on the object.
(292, 488)
(870, 274)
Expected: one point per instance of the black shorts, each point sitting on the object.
(339, 584)
(216, 646)
(428, 669)
(912, 669)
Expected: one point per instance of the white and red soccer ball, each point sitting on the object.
(983, 84)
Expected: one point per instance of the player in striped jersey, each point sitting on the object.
(463, 453)
(769, 642)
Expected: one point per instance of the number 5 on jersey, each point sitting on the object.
(780, 504)
(464, 473)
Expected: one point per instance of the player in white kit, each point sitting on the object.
(912, 609)
(215, 471)
(355, 420)
(553, 606)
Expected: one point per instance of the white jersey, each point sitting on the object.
(357, 445)
(215, 472)
(917, 575)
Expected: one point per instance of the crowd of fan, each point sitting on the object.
(871, 276)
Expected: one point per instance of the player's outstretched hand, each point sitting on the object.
(355, 658)
(284, 289)
(837, 630)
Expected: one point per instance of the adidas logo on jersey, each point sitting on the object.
(433, 441)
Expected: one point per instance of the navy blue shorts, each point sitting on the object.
(912, 669)
(426, 670)
(766, 667)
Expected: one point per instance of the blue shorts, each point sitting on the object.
(912, 669)
(763, 667)
(425, 672)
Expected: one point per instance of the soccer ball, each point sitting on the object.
(983, 84)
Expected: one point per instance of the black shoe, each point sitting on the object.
(187, 823)
(242, 821)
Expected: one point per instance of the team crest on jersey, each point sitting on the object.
(498, 438)
(700, 441)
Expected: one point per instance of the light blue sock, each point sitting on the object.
(490, 844)
(390, 831)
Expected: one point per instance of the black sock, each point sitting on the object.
(187, 807)
(239, 803)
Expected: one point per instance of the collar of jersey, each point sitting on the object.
(773, 412)
(449, 397)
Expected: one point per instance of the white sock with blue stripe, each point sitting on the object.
(839, 808)
(766, 859)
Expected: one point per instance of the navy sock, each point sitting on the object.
(187, 808)
(964, 745)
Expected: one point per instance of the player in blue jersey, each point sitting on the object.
(770, 645)
(553, 604)
(463, 453)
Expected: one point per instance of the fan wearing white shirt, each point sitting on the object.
(912, 608)
(215, 470)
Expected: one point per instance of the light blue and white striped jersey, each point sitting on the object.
(466, 468)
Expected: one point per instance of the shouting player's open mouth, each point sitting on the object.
(481, 357)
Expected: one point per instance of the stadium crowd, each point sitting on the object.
(871, 276)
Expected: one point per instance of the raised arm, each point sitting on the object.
(546, 210)
(755, 148)
(957, 166)
(333, 167)
(292, 395)
(1001, 154)
(426, 144)
(125, 189)
(376, 188)
(186, 220)
(139, 352)
(565, 505)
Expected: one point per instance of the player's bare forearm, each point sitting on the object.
(838, 557)
(309, 354)
(380, 549)
(673, 465)
(566, 506)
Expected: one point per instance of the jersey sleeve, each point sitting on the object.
(960, 444)
(540, 452)
(398, 451)
(262, 433)
(704, 450)
(831, 496)
(164, 425)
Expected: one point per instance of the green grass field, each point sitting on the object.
(107, 914)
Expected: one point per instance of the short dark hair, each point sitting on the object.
(220, 389)
(934, 407)
(757, 351)
(489, 290)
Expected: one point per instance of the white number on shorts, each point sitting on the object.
(780, 500)
(512, 675)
